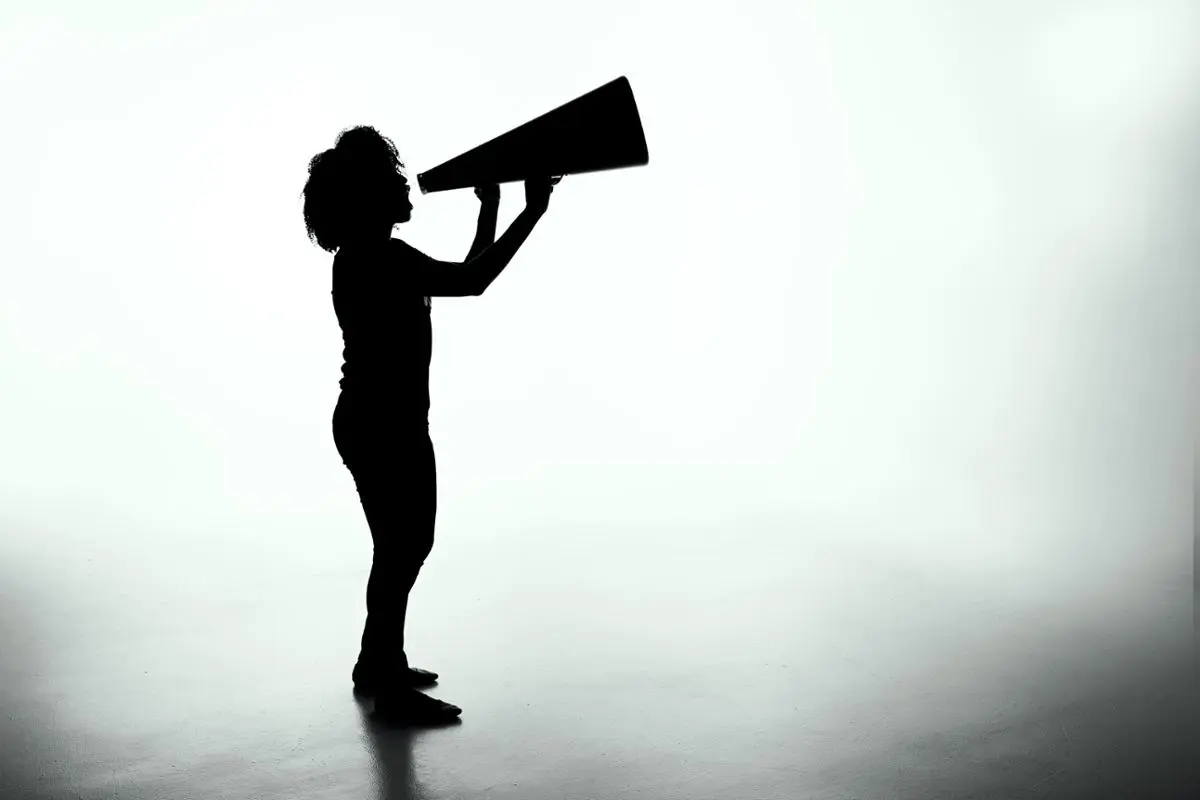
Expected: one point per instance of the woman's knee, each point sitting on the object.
(404, 547)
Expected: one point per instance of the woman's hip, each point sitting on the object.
(371, 434)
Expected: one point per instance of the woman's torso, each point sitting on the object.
(387, 337)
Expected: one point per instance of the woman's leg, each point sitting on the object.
(396, 476)
(398, 490)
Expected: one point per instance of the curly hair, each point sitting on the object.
(348, 184)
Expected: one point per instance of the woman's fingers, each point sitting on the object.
(489, 191)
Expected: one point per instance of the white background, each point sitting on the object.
(916, 275)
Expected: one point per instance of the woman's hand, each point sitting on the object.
(537, 193)
(488, 193)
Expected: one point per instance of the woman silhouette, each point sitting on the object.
(355, 193)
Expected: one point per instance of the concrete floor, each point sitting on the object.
(589, 664)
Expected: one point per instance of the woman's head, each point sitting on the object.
(358, 188)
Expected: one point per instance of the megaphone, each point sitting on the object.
(598, 131)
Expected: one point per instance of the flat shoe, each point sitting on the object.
(410, 707)
(368, 683)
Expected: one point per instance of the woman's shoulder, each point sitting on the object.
(371, 251)
(374, 264)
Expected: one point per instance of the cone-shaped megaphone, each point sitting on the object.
(600, 130)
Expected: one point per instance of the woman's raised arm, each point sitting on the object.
(428, 276)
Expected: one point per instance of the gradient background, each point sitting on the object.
(908, 280)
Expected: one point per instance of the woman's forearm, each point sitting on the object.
(485, 230)
(492, 261)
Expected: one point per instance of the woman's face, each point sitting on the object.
(403, 207)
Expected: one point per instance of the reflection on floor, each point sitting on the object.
(773, 661)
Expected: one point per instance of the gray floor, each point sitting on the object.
(591, 664)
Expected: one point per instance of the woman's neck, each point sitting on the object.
(369, 237)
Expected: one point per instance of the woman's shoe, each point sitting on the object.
(410, 707)
(369, 682)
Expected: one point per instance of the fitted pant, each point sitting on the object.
(392, 462)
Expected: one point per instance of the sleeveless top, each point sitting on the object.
(387, 331)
